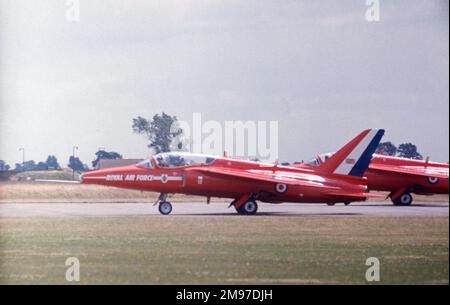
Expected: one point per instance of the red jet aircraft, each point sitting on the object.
(245, 182)
(399, 176)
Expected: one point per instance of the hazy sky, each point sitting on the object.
(317, 67)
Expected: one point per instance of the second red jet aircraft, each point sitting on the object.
(400, 177)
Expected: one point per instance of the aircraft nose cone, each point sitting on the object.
(81, 178)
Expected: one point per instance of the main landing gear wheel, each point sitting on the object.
(248, 208)
(165, 207)
(405, 199)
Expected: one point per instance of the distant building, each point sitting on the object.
(108, 163)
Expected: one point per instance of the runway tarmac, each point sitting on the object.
(381, 209)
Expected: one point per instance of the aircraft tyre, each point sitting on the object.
(405, 199)
(165, 208)
(248, 208)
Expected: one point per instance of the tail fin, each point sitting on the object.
(353, 159)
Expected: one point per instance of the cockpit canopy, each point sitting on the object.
(320, 159)
(145, 163)
(177, 159)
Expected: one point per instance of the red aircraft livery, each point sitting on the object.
(399, 176)
(246, 182)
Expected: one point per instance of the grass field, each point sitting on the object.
(22, 191)
(63, 174)
(225, 250)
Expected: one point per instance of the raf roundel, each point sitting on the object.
(164, 178)
(281, 188)
(433, 180)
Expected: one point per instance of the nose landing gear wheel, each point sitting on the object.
(165, 208)
(404, 200)
(248, 208)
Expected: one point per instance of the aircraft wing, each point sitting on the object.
(412, 170)
(259, 175)
(281, 177)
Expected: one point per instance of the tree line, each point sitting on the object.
(51, 163)
(405, 150)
